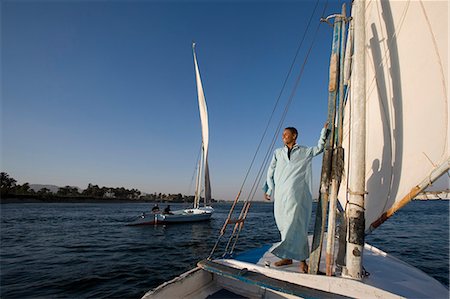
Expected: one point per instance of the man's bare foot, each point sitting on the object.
(283, 262)
(303, 267)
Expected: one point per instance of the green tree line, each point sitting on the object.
(10, 188)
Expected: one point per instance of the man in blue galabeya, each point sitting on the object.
(289, 179)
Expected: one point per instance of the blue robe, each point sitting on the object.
(290, 180)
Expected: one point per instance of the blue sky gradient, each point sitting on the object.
(104, 92)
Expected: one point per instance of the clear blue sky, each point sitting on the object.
(104, 92)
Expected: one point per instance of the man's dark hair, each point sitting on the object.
(293, 131)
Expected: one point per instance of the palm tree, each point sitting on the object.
(7, 183)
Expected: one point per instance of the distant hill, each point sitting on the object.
(52, 188)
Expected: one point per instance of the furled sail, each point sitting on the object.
(407, 109)
(205, 129)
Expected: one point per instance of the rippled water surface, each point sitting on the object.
(86, 250)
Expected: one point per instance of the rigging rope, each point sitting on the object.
(261, 171)
(244, 211)
(195, 170)
(286, 109)
(280, 94)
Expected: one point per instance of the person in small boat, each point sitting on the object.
(167, 210)
(289, 180)
(155, 209)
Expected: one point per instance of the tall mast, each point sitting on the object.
(198, 188)
(338, 153)
(322, 204)
(355, 211)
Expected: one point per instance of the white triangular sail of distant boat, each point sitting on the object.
(196, 213)
(407, 108)
(205, 139)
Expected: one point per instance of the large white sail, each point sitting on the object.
(205, 128)
(407, 107)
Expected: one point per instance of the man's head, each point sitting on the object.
(290, 136)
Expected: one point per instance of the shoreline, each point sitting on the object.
(73, 200)
(80, 199)
(14, 200)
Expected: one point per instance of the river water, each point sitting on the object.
(85, 250)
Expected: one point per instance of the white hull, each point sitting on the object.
(178, 216)
(389, 278)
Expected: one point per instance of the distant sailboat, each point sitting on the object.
(395, 136)
(197, 212)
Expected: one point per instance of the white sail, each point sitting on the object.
(407, 107)
(205, 128)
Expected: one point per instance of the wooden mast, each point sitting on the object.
(338, 155)
(322, 205)
(355, 210)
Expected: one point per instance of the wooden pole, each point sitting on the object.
(322, 205)
(338, 158)
(340, 256)
(355, 211)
